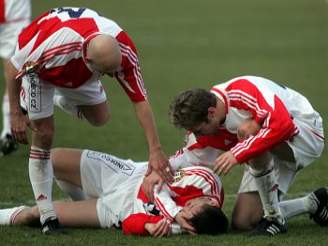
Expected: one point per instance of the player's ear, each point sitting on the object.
(213, 202)
(211, 112)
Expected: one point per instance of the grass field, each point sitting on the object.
(183, 44)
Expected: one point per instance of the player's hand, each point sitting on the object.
(149, 183)
(247, 128)
(19, 124)
(224, 163)
(161, 229)
(183, 219)
(158, 162)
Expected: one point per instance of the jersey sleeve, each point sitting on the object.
(135, 223)
(130, 77)
(267, 110)
(165, 203)
(203, 150)
(198, 181)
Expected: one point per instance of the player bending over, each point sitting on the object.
(107, 192)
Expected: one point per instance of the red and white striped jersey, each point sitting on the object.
(189, 183)
(270, 104)
(57, 40)
(14, 10)
(203, 150)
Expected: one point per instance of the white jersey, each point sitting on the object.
(14, 10)
(56, 44)
(278, 109)
(14, 16)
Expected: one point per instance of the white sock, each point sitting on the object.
(8, 215)
(67, 107)
(5, 117)
(267, 187)
(74, 191)
(291, 208)
(41, 177)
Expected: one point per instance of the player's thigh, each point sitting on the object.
(97, 114)
(66, 163)
(78, 214)
(247, 211)
(36, 97)
(91, 100)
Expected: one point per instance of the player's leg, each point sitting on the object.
(7, 142)
(70, 214)
(262, 169)
(66, 164)
(86, 102)
(247, 211)
(97, 114)
(37, 99)
(307, 147)
(41, 170)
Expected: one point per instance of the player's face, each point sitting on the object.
(195, 206)
(214, 120)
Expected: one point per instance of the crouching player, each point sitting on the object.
(106, 191)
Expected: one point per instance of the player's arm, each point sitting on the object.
(157, 158)
(276, 124)
(19, 121)
(131, 80)
(140, 224)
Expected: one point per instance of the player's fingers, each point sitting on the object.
(166, 174)
(187, 226)
(149, 170)
(160, 185)
(21, 137)
(226, 169)
(165, 229)
(29, 125)
(159, 228)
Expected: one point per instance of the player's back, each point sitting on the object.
(54, 41)
(14, 10)
(295, 103)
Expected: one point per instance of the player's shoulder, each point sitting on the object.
(198, 170)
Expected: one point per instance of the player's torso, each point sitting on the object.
(55, 41)
(14, 10)
(267, 90)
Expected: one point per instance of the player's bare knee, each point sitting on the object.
(27, 216)
(99, 119)
(239, 223)
(55, 156)
(245, 220)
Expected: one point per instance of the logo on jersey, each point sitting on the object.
(117, 165)
(178, 175)
(34, 92)
(150, 208)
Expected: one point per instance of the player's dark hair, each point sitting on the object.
(211, 221)
(190, 108)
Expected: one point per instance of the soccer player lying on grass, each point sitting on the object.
(107, 192)
(203, 150)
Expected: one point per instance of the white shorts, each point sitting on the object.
(37, 96)
(114, 181)
(284, 174)
(8, 37)
(307, 146)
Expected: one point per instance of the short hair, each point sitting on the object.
(190, 108)
(211, 220)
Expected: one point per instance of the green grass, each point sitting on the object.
(183, 44)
